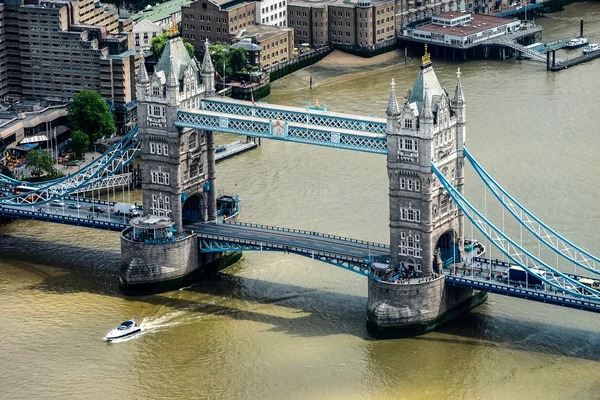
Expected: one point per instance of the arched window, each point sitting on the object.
(193, 142)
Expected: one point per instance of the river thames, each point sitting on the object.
(279, 326)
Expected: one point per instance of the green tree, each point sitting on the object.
(4, 170)
(238, 58)
(40, 161)
(89, 113)
(220, 57)
(79, 141)
(228, 61)
(160, 41)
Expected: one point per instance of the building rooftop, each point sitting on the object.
(263, 32)
(161, 11)
(336, 3)
(246, 44)
(478, 23)
(175, 50)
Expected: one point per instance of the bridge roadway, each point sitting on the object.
(235, 232)
(350, 254)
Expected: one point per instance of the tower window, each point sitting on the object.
(156, 91)
(408, 123)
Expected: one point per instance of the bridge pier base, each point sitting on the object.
(410, 309)
(161, 266)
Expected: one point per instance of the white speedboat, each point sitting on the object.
(591, 48)
(577, 42)
(127, 328)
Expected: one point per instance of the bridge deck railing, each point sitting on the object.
(257, 244)
(65, 219)
(307, 233)
(529, 294)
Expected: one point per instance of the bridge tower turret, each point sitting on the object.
(426, 229)
(178, 173)
(208, 71)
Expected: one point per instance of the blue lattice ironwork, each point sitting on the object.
(516, 253)
(548, 236)
(108, 164)
(373, 143)
(297, 115)
(217, 244)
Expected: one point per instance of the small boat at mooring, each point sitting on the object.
(592, 48)
(126, 329)
(577, 42)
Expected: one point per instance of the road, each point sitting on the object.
(310, 241)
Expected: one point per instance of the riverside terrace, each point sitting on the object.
(464, 31)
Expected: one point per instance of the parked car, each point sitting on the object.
(74, 206)
(57, 203)
(96, 209)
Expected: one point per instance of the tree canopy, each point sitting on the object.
(90, 113)
(4, 170)
(160, 41)
(40, 161)
(134, 6)
(79, 141)
(228, 61)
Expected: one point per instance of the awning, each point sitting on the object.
(34, 139)
(26, 147)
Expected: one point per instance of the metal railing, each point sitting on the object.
(307, 233)
(65, 219)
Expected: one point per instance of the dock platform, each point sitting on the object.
(226, 151)
(564, 64)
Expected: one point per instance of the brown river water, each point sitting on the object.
(278, 326)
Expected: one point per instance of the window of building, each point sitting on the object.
(408, 123)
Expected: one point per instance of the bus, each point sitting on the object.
(591, 283)
(27, 189)
(24, 189)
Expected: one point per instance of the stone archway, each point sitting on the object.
(447, 250)
(194, 208)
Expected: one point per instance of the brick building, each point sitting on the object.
(216, 20)
(276, 43)
(361, 24)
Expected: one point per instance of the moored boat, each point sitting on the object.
(577, 42)
(591, 48)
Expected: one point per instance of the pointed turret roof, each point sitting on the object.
(427, 77)
(459, 96)
(175, 50)
(393, 109)
(142, 75)
(207, 65)
(426, 114)
(172, 78)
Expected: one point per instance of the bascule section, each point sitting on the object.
(178, 171)
(408, 295)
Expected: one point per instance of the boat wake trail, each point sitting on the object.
(154, 324)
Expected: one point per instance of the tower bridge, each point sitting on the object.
(415, 284)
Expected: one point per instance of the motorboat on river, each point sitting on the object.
(126, 329)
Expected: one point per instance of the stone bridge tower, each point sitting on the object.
(426, 227)
(429, 127)
(178, 172)
(177, 164)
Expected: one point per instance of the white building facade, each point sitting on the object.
(271, 12)
(144, 31)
